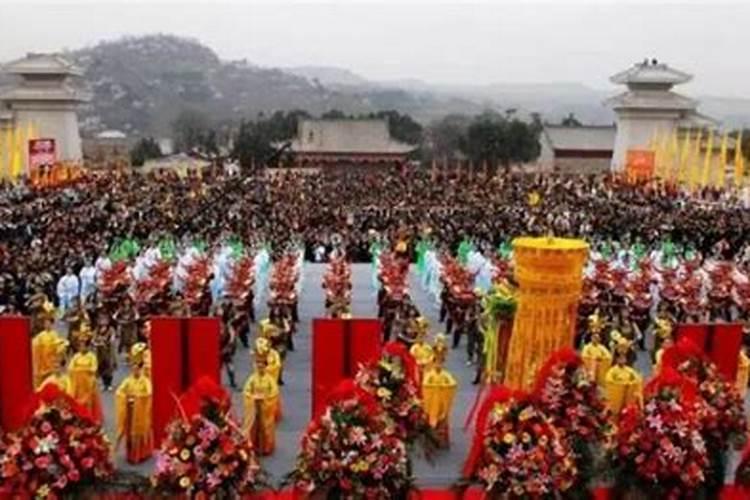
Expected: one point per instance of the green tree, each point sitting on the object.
(145, 149)
(402, 126)
(334, 114)
(252, 146)
(571, 121)
(190, 129)
(494, 138)
(446, 136)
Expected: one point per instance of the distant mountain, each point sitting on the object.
(140, 84)
(329, 75)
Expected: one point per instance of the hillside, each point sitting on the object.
(140, 84)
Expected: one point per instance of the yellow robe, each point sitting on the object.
(61, 380)
(133, 411)
(82, 371)
(44, 355)
(273, 367)
(624, 385)
(261, 397)
(597, 359)
(423, 355)
(743, 373)
(438, 390)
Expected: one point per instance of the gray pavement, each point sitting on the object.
(446, 465)
(296, 393)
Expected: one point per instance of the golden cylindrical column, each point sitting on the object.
(549, 272)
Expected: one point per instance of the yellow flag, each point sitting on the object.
(682, 174)
(15, 164)
(674, 157)
(739, 161)
(695, 158)
(720, 178)
(654, 144)
(708, 159)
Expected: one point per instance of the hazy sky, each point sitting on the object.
(442, 43)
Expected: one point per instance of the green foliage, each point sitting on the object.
(494, 138)
(190, 129)
(571, 121)
(145, 149)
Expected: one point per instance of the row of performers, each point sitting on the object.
(75, 363)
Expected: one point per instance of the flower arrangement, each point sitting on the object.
(721, 408)
(571, 400)
(660, 449)
(391, 379)
(352, 450)
(518, 451)
(204, 452)
(59, 452)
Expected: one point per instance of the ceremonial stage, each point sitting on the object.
(296, 392)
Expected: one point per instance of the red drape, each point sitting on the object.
(721, 342)
(725, 348)
(365, 343)
(167, 352)
(327, 359)
(203, 356)
(16, 385)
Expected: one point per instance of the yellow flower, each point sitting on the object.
(184, 482)
(360, 466)
(184, 454)
(526, 414)
(525, 437)
(383, 393)
(43, 491)
(518, 490)
(509, 438)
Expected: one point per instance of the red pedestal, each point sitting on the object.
(720, 341)
(327, 359)
(167, 353)
(16, 384)
(203, 346)
(339, 347)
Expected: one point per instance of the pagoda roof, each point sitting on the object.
(582, 138)
(651, 72)
(653, 100)
(369, 136)
(62, 93)
(42, 64)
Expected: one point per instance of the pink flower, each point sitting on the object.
(87, 462)
(42, 462)
(74, 475)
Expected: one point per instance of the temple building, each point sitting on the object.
(649, 107)
(347, 143)
(585, 149)
(41, 104)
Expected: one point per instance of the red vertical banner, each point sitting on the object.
(365, 341)
(16, 385)
(696, 333)
(203, 349)
(328, 358)
(726, 341)
(167, 353)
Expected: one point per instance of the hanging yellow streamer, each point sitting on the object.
(708, 160)
(739, 162)
(720, 178)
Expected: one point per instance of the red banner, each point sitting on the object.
(41, 152)
(327, 359)
(721, 342)
(365, 341)
(203, 346)
(167, 352)
(16, 385)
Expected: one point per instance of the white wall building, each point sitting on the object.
(649, 106)
(44, 100)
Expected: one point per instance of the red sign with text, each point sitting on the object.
(41, 152)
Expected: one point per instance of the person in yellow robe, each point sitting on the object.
(421, 350)
(665, 344)
(261, 395)
(662, 331)
(438, 390)
(82, 370)
(623, 385)
(44, 350)
(133, 409)
(743, 372)
(59, 377)
(597, 359)
(272, 335)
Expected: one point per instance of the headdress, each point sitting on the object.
(138, 353)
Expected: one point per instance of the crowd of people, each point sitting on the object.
(48, 234)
